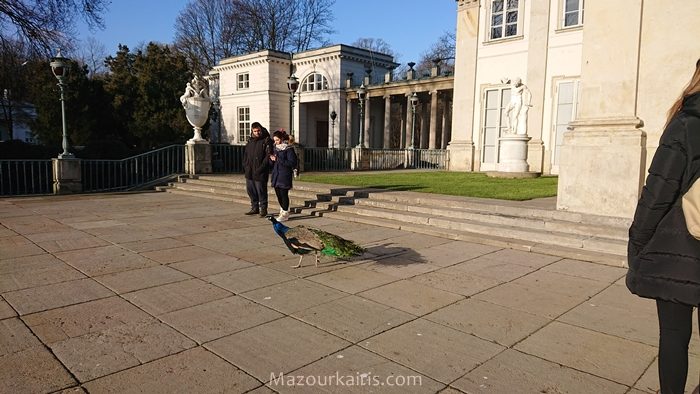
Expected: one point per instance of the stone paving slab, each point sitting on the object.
(127, 281)
(516, 372)
(360, 371)
(353, 318)
(117, 348)
(182, 372)
(183, 295)
(589, 351)
(352, 279)
(215, 319)
(33, 370)
(280, 346)
(414, 298)
(56, 295)
(492, 322)
(174, 296)
(437, 351)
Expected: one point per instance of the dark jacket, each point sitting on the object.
(255, 157)
(283, 166)
(664, 259)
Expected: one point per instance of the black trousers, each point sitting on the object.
(675, 329)
(257, 191)
(283, 198)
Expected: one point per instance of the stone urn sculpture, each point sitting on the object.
(196, 102)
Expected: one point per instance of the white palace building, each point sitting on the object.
(601, 76)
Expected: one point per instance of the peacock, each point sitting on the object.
(302, 240)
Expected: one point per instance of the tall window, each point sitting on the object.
(243, 124)
(243, 81)
(573, 13)
(504, 19)
(314, 82)
(495, 124)
(567, 106)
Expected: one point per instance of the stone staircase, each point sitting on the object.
(531, 225)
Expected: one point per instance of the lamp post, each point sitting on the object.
(292, 85)
(333, 116)
(361, 95)
(414, 104)
(59, 67)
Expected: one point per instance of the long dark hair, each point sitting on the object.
(692, 88)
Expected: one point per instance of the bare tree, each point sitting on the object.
(205, 34)
(209, 30)
(43, 24)
(93, 55)
(443, 50)
(375, 45)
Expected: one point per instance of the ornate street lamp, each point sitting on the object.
(292, 86)
(414, 103)
(60, 67)
(333, 116)
(361, 95)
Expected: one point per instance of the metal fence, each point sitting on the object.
(133, 172)
(18, 177)
(226, 158)
(325, 159)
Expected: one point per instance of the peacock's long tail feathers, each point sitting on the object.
(337, 246)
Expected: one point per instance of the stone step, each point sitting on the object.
(587, 241)
(596, 256)
(510, 208)
(498, 217)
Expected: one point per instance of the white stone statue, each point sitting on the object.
(196, 102)
(518, 107)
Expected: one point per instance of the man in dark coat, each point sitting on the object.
(257, 170)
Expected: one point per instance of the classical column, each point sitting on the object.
(348, 124)
(466, 50)
(432, 143)
(424, 126)
(387, 122)
(410, 139)
(535, 79)
(368, 112)
(402, 129)
(602, 159)
(446, 119)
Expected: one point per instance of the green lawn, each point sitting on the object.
(468, 184)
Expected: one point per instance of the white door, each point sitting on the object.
(495, 124)
(566, 106)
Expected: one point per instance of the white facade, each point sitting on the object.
(541, 51)
(600, 89)
(253, 87)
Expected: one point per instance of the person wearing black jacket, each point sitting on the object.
(664, 259)
(257, 170)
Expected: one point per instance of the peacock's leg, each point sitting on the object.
(316, 254)
(301, 256)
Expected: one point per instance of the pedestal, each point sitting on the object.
(198, 157)
(360, 159)
(602, 167)
(513, 153)
(67, 177)
(461, 154)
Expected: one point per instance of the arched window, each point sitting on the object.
(314, 82)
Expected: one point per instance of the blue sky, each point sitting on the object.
(409, 26)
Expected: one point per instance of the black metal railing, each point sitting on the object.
(327, 159)
(133, 172)
(431, 159)
(227, 158)
(19, 177)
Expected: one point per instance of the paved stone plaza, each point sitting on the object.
(156, 292)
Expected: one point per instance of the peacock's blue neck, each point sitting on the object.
(280, 228)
